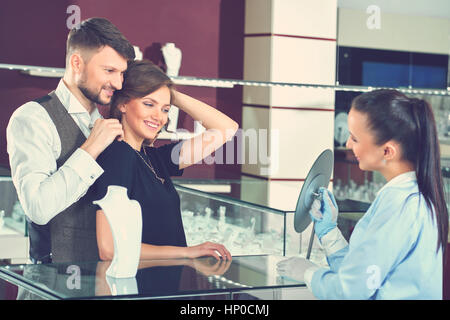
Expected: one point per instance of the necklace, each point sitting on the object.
(149, 164)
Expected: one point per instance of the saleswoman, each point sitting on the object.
(142, 106)
(396, 249)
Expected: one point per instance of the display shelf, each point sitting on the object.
(230, 83)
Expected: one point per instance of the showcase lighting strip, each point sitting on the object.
(218, 82)
(230, 83)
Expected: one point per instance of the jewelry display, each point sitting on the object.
(238, 238)
(242, 230)
(2, 215)
(138, 55)
(200, 227)
(16, 219)
(172, 57)
(341, 133)
(126, 230)
(366, 192)
(18, 214)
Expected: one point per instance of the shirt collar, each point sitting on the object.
(69, 101)
(95, 114)
(400, 179)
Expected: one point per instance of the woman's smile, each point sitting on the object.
(152, 125)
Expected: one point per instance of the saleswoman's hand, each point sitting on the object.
(324, 213)
(212, 249)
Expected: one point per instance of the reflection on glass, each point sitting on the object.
(161, 279)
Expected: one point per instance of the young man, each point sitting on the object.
(53, 143)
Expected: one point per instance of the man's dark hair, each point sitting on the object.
(95, 33)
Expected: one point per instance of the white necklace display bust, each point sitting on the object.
(125, 219)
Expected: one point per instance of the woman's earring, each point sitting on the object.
(384, 162)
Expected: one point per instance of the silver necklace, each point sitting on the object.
(149, 165)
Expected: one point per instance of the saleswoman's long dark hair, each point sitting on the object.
(410, 122)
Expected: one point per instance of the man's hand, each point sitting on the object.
(102, 135)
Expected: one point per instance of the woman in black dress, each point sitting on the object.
(142, 106)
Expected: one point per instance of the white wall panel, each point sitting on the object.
(305, 18)
(304, 135)
(303, 60)
(302, 97)
(397, 32)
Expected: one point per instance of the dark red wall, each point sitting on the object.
(209, 33)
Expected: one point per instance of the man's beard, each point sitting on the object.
(90, 94)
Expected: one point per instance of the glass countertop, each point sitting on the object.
(155, 279)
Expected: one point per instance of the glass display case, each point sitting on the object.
(257, 236)
(13, 232)
(244, 228)
(12, 216)
(233, 213)
(237, 214)
(229, 212)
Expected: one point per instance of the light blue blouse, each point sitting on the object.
(392, 252)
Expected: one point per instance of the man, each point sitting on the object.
(53, 143)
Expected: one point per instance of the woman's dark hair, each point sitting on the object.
(410, 122)
(141, 78)
(95, 33)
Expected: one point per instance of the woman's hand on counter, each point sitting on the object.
(212, 249)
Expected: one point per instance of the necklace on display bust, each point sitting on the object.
(149, 164)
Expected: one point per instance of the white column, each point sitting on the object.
(292, 41)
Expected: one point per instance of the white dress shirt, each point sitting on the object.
(33, 145)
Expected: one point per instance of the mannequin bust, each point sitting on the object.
(125, 220)
(172, 57)
(138, 53)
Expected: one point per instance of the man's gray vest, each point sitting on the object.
(71, 234)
